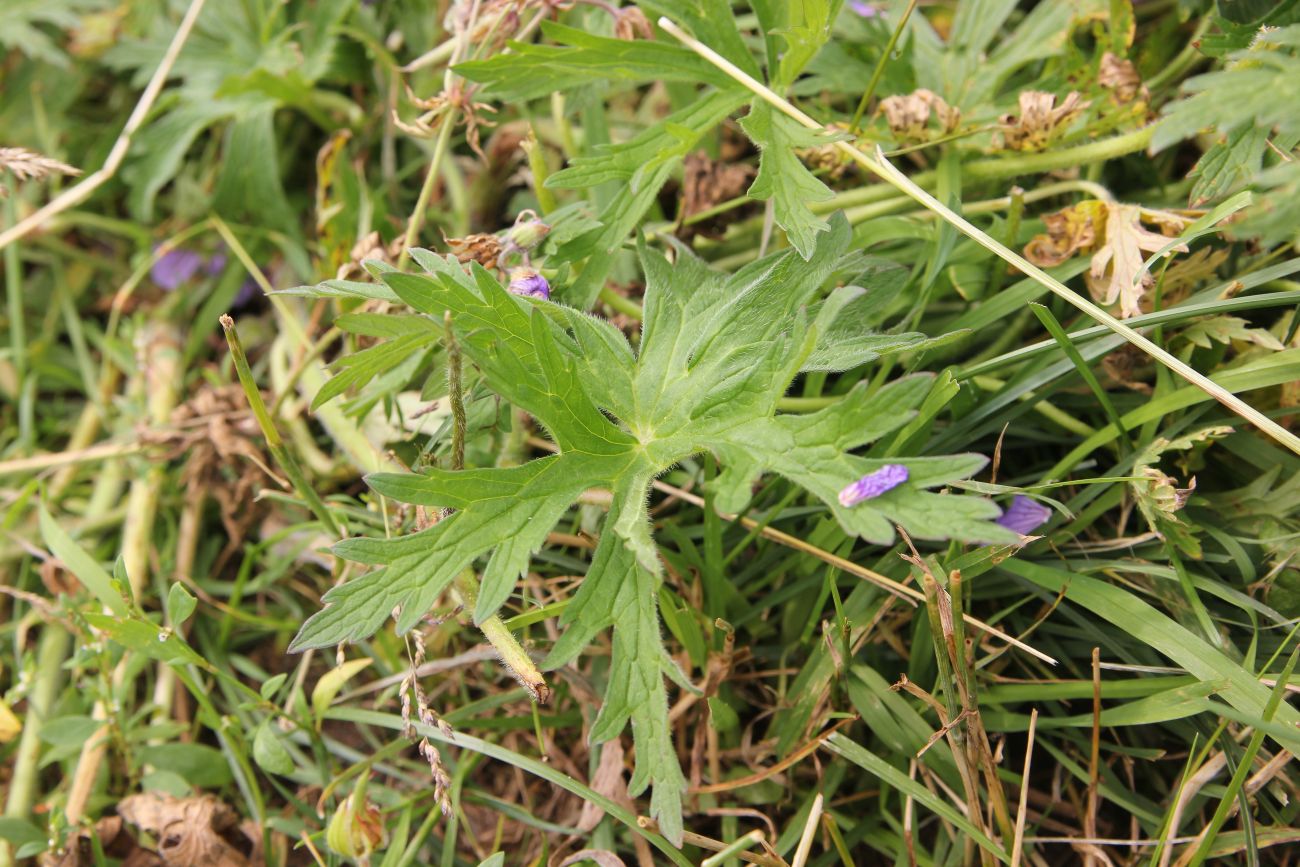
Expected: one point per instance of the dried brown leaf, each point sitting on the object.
(1120, 77)
(909, 114)
(631, 23)
(1040, 120)
(608, 781)
(600, 857)
(707, 183)
(191, 832)
(1113, 277)
(1069, 231)
(482, 248)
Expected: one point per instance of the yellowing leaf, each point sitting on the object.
(10, 725)
(332, 682)
(1117, 264)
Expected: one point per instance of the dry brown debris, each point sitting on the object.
(483, 248)
(908, 115)
(28, 165)
(630, 23)
(1040, 120)
(370, 247)
(1119, 240)
(218, 436)
(1120, 77)
(199, 831)
(707, 183)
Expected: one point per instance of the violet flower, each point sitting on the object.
(175, 268)
(527, 282)
(248, 292)
(865, 10)
(874, 484)
(1024, 515)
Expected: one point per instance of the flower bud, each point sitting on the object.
(527, 232)
(527, 282)
(356, 829)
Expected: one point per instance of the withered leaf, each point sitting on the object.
(1120, 77)
(1040, 119)
(1117, 264)
(191, 832)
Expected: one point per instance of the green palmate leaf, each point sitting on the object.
(1259, 86)
(716, 354)
(361, 367)
(782, 176)
(530, 71)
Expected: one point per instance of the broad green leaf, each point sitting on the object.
(530, 71)
(716, 354)
(180, 604)
(807, 28)
(202, 766)
(636, 159)
(782, 176)
(360, 368)
(332, 681)
(22, 834)
(1259, 86)
(1227, 164)
(269, 753)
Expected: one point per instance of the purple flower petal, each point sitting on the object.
(248, 290)
(216, 264)
(175, 268)
(1024, 515)
(527, 282)
(866, 10)
(874, 484)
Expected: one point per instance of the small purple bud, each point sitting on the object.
(873, 484)
(866, 10)
(216, 264)
(527, 282)
(1024, 515)
(175, 268)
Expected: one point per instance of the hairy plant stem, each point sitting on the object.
(881, 167)
(466, 586)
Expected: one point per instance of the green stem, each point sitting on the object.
(17, 325)
(541, 171)
(274, 443)
(620, 304)
(513, 655)
(50, 652)
(455, 395)
(416, 222)
(880, 67)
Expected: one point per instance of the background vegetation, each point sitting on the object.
(1068, 635)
